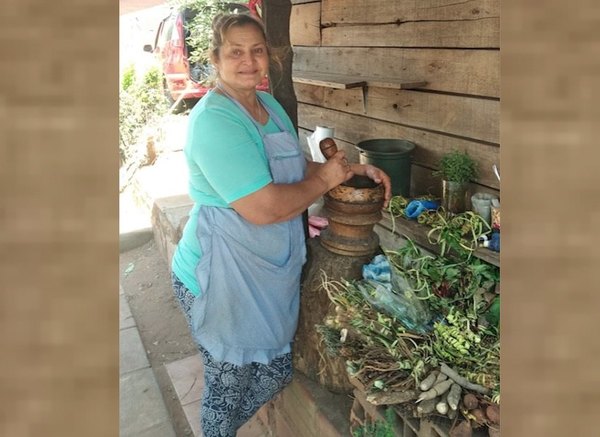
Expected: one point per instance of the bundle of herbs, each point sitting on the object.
(388, 357)
(458, 233)
(377, 347)
(460, 294)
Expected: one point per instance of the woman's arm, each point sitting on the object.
(312, 167)
(280, 202)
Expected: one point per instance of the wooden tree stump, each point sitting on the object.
(310, 356)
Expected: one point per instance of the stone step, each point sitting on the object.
(169, 216)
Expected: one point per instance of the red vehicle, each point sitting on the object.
(182, 80)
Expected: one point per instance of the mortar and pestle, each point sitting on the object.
(352, 209)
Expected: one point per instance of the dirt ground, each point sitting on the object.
(146, 284)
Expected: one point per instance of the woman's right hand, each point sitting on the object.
(335, 170)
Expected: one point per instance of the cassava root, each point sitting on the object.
(462, 381)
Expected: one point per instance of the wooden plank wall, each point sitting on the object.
(454, 46)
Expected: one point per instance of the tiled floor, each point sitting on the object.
(187, 377)
(142, 411)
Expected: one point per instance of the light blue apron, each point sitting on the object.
(249, 275)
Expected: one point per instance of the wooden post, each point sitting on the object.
(276, 16)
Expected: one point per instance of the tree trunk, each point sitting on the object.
(276, 16)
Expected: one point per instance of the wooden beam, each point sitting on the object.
(379, 12)
(483, 34)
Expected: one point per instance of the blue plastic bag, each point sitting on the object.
(378, 270)
(391, 293)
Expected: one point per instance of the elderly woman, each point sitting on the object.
(236, 270)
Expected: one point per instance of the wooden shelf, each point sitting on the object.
(418, 233)
(341, 81)
(383, 82)
(328, 80)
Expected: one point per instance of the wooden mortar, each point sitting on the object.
(352, 209)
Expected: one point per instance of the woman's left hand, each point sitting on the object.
(377, 175)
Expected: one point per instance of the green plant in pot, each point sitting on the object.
(456, 170)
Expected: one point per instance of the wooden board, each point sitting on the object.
(430, 145)
(362, 12)
(305, 24)
(457, 115)
(418, 233)
(484, 33)
(473, 72)
(341, 81)
(353, 101)
(310, 93)
(423, 182)
(328, 80)
(395, 83)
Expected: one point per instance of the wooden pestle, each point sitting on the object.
(328, 147)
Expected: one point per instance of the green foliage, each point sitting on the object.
(493, 314)
(380, 350)
(457, 166)
(152, 79)
(199, 27)
(457, 232)
(128, 77)
(456, 292)
(141, 103)
(445, 283)
(378, 428)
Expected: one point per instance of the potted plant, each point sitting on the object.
(456, 170)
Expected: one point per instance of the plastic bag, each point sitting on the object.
(404, 308)
(378, 270)
(392, 294)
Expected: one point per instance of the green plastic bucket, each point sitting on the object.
(392, 156)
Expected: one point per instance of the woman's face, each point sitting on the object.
(243, 59)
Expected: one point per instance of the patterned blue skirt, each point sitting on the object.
(233, 394)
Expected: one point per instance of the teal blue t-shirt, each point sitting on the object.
(226, 161)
